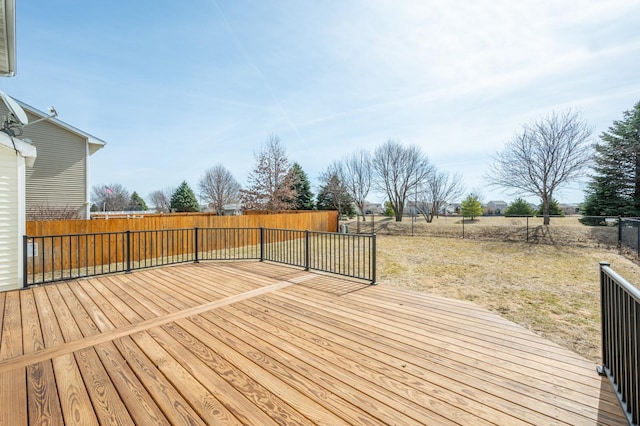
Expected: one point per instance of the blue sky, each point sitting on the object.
(177, 87)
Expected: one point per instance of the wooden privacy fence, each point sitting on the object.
(158, 239)
(323, 221)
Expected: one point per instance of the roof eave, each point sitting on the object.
(9, 37)
(96, 143)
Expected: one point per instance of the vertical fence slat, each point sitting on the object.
(67, 257)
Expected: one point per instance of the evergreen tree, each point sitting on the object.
(554, 208)
(471, 206)
(388, 209)
(334, 196)
(519, 208)
(302, 188)
(184, 200)
(137, 203)
(614, 188)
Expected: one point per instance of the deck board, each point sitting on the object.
(259, 343)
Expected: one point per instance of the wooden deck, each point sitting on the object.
(258, 344)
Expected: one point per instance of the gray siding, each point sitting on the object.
(57, 178)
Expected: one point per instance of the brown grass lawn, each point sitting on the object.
(550, 285)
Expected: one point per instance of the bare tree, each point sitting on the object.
(42, 212)
(549, 153)
(355, 174)
(161, 199)
(218, 187)
(436, 191)
(271, 187)
(398, 171)
(114, 197)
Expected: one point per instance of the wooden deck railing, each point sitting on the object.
(53, 258)
(620, 302)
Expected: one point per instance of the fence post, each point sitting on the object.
(603, 328)
(373, 259)
(261, 244)
(195, 239)
(25, 243)
(128, 246)
(462, 227)
(527, 228)
(307, 250)
(619, 232)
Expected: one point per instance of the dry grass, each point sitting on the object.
(552, 288)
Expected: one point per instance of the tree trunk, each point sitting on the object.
(545, 211)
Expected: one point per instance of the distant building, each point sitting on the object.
(227, 209)
(495, 207)
(373, 208)
(451, 208)
(232, 210)
(570, 208)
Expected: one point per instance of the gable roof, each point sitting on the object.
(94, 143)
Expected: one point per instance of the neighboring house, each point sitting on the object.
(59, 178)
(495, 207)
(227, 209)
(569, 209)
(373, 208)
(232, 210)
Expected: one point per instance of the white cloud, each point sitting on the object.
(457, 78)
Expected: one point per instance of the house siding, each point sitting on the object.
(57, 178)
(9, 242)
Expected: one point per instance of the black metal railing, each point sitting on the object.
(620, 304)
(64, 257)
(350, 255)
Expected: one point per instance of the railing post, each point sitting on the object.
(25, 245)
(261, 244)
(307, 254)
(605, 338)
(195, 239)
(128, 247)
(619, 232)
(373, 259)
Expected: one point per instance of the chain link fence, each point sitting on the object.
(629, 235)
(563, 230)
